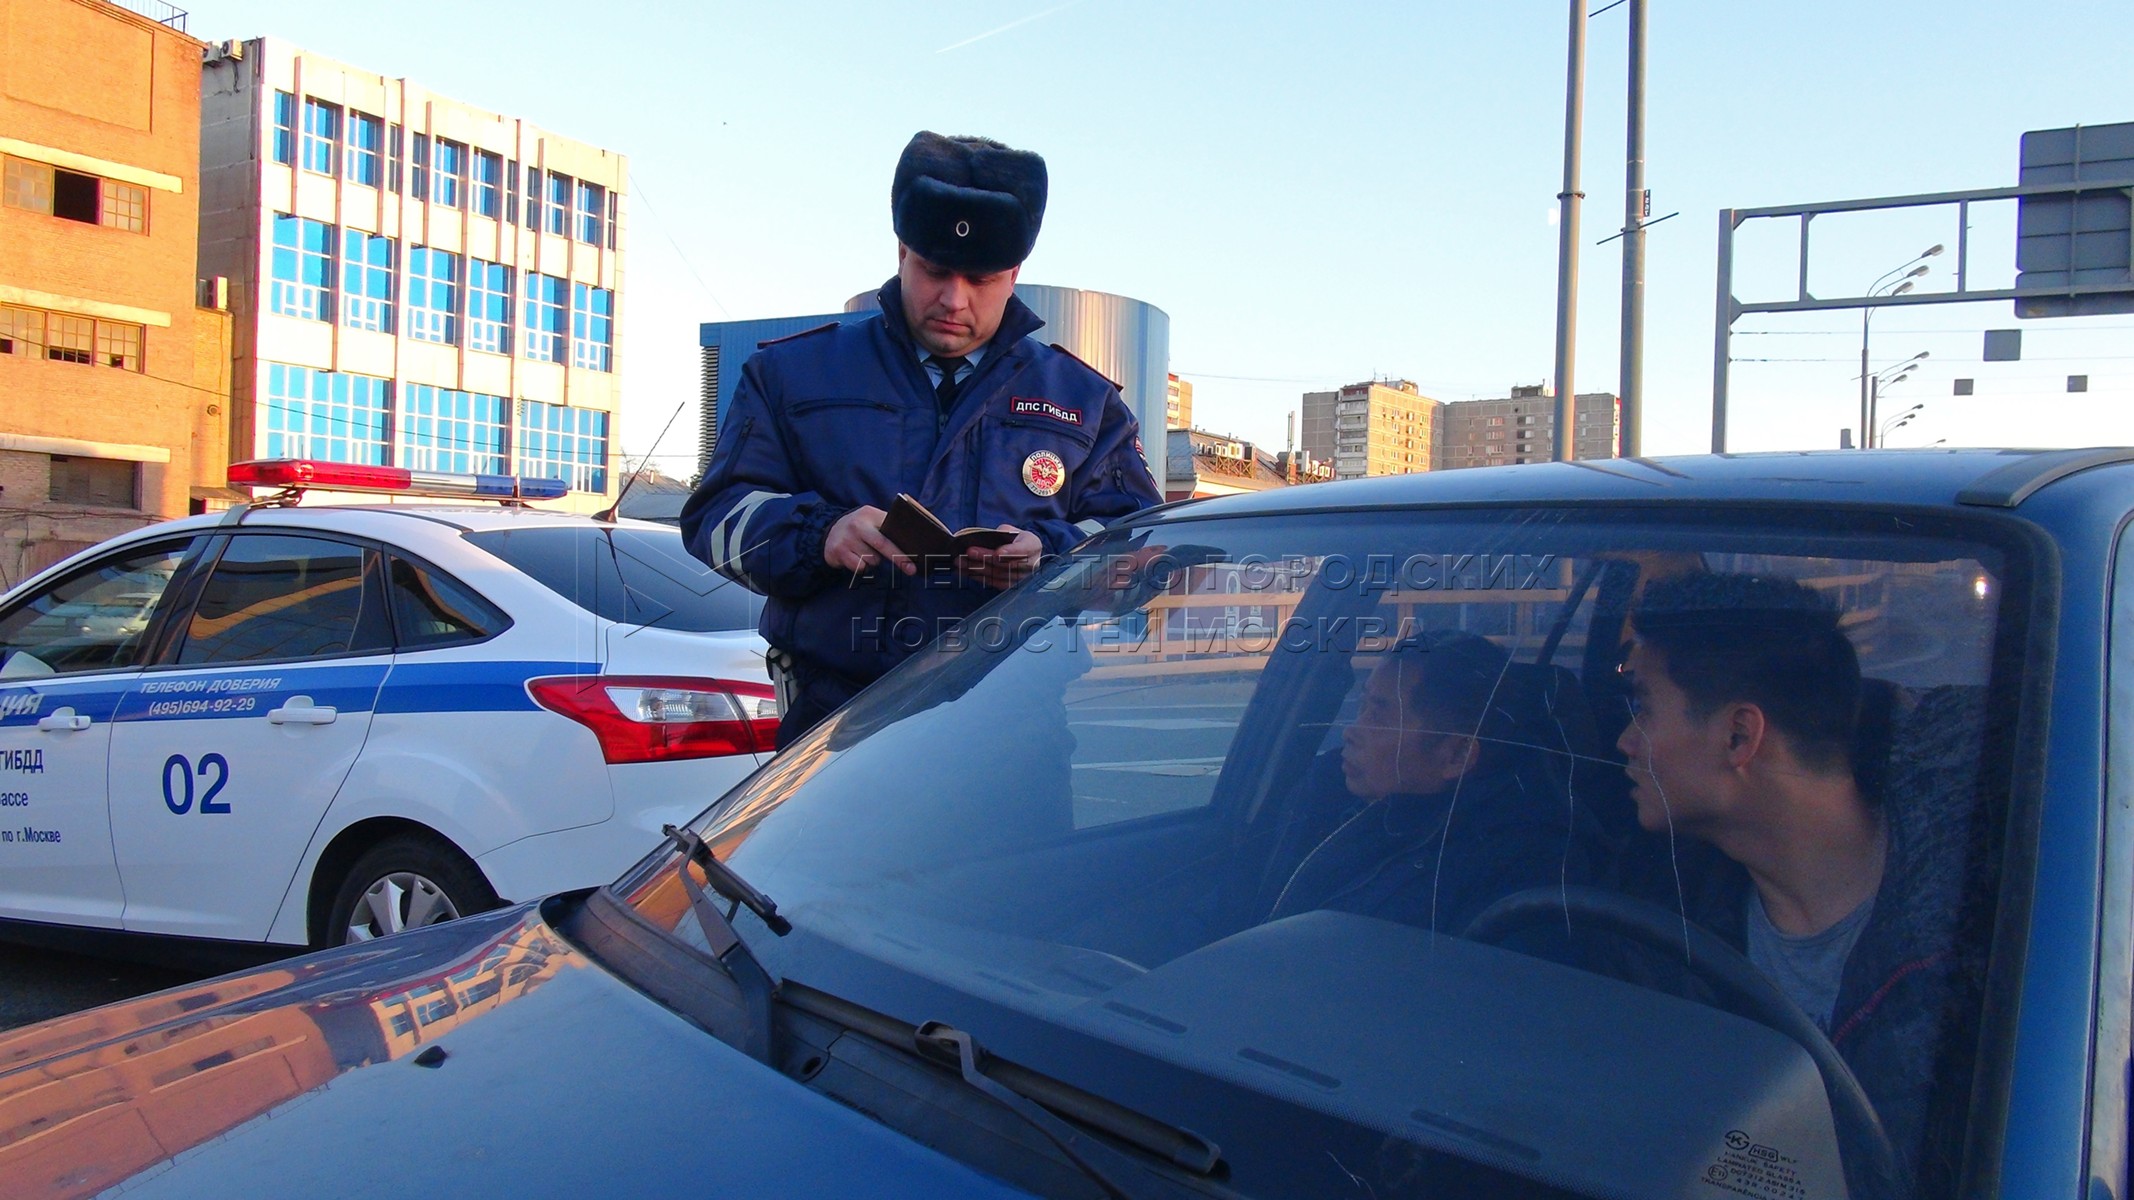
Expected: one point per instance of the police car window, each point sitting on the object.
(94, 620)
(275, 596)
(431, 609)
(636, 576)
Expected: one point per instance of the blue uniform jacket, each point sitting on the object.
(844, 416)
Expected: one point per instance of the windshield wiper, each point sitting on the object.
(758, 988)
(1038, 1099)
(938, 1040)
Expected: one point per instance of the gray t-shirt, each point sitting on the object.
(1806, 968)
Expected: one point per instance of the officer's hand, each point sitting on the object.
(1006, 566)
(855, 543)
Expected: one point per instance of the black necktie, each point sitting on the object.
(945, 391)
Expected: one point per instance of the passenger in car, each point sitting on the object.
(1743, 731)
(1443, 797)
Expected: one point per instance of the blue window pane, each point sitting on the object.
(285, 128)
(366, 142)
(419, 168)
(547, 312)
(322, 136)
(488, 306)
(445, 430)
(511, 192)
(592, 327)
(366, 281)
(558, 442)
(592, 209)
(533, 197)
(559, 204)
(324, 415)
(394, 144)
(488, 183)
(433, 295)
(302, 264)
(450, 171)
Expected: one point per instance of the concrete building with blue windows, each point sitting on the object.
(414, 282)
(1126, 340)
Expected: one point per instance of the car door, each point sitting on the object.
(68, 652)
(227, 753)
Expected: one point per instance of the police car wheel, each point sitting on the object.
(405, 883)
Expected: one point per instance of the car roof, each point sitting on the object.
(471, 516)
(1931, 477)
(464, 517)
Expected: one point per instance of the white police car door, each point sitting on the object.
(226, 753)
(68, 652)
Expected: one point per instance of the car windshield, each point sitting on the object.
(1382, 848)
(635, 576)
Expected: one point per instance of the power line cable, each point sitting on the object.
(638, 189)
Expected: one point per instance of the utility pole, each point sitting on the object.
(1637, 206)
(1567, 236)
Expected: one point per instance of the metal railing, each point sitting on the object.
(157, 11)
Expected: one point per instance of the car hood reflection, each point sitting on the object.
(481, 1057)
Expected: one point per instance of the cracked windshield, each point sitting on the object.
(1235, 818)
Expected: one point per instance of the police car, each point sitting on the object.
(308, 726)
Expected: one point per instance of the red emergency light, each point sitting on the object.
(303, 473)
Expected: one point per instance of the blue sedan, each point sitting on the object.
(1703, 827)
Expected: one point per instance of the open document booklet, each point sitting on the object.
(919, 533)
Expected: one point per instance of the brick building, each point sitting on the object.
(115, 382)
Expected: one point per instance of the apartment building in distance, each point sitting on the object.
(1521, 428)
(1383, 427)
(113, 382)
(416, 282)
(1177, 404)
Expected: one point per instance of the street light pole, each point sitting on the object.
(1896, 423)
(1635, 210)
(1567, 236)
(1867, 427)
(1867, 401)
(1895, 375)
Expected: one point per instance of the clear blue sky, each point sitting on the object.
(1319, 194)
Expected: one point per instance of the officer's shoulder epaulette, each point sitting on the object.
(803, 333)
(1077, 359)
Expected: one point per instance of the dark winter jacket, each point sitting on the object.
(1429, 861)
(845, 416)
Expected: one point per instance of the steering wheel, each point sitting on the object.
(1743, 990)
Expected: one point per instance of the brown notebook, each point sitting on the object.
(919, 533)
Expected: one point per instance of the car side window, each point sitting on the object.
(95, 619)
(278, 596)
(432, 609)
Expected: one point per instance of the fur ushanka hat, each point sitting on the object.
(967, 203)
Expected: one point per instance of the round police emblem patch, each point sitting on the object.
(1043, 473)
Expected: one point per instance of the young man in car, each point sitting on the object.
(945, 397)
(1443, 797)
(1746, 699)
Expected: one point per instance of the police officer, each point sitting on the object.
(944, 396)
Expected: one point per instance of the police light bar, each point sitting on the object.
(301, 473)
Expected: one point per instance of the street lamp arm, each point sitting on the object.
(1929, 252)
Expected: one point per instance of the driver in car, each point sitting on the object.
(1745, 695)
(1441, 799)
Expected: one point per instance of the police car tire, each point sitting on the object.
(429, 860)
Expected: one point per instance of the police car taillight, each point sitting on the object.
(642, 718)
(356, 477)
